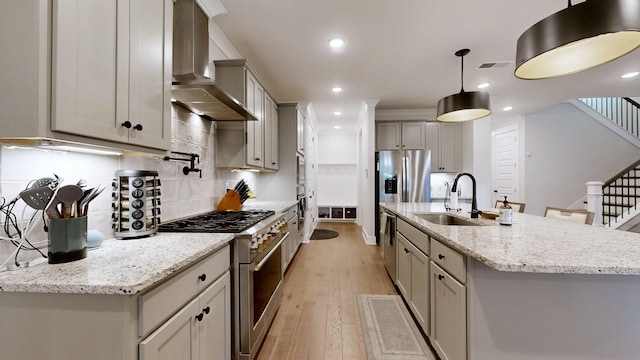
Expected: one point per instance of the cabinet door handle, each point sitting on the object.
(440, 277)
(406, 251)
(126, 124)
(440, 256)
(206, 310)
(200, 316)
(138, 127)
(257, 159)
(202, 277)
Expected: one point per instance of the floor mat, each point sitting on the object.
(322, 234)
(389, 331)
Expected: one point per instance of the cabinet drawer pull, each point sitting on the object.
(206, 310)
(138, 127)
(257, 159)
(440, 256)
(202, 277)
(200, 316)
(440, 277)
(126, 124)
(406, 251)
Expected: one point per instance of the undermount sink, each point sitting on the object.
(446, 219)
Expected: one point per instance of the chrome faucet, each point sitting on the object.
(474, 202)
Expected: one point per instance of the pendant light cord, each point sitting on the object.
(462, 73)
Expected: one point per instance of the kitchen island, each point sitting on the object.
(125, 300)
(539, 289)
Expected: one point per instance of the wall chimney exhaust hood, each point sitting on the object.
(193, 88)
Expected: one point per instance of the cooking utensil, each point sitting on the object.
(83, 204)
(38, 197)
(67, 195)
(45, 181)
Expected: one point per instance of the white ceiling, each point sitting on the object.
(402, 53)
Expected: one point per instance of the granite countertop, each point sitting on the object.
(120, 267)
(533, 244)
(277, 206)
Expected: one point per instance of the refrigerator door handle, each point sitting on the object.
(405, 179)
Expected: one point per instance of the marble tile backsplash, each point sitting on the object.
(182, 195)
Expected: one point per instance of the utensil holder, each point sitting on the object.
(67, 240)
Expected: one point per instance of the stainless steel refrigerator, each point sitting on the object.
(401, 176)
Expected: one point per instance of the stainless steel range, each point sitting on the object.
(256, 269)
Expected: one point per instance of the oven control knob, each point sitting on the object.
(261, 243)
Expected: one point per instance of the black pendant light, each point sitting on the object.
(578, 38)
(463, 106)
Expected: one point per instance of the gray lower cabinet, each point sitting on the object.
(448, 302)
(200, 330)
(431, 278)
(412, 272)
(186, 316)
(292, 242)
(448, 315)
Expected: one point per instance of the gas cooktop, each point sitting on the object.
(217, 221)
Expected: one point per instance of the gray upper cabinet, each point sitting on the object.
(401, 135)
(300, 126)
(109, 69)
(260, 142)
(271, 124)
(444, 142)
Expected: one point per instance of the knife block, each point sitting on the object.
(230, 202)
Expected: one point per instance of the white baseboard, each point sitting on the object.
(369, 240)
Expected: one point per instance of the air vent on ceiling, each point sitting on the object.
(494, 64)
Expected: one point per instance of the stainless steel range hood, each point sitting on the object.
(193, 88)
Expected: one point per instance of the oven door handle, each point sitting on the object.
(258, 266)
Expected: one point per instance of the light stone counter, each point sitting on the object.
(117, 267)
(534, 244)
(277, 206)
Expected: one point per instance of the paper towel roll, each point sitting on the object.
(454, 200)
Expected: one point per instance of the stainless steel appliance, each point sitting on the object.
(193, 88)
(401, 176)
(300, 178)
(388, 242)
(301, 195)
(256, 269)
(136, 203)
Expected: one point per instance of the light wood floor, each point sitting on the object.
(318, 317)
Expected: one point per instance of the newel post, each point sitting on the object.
(594, 201)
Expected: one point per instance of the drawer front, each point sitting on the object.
(293, 211)
(417, 237)
(160, 303)
(449, 259)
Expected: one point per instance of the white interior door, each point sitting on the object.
(505, 163)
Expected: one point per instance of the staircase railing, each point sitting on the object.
(623, 111)
(621, 193)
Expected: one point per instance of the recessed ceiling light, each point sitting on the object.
(630, 75)
(337, 127)
(507, 108)
(336, 43)
(336, 113)
(483, 85)
(336, 89)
